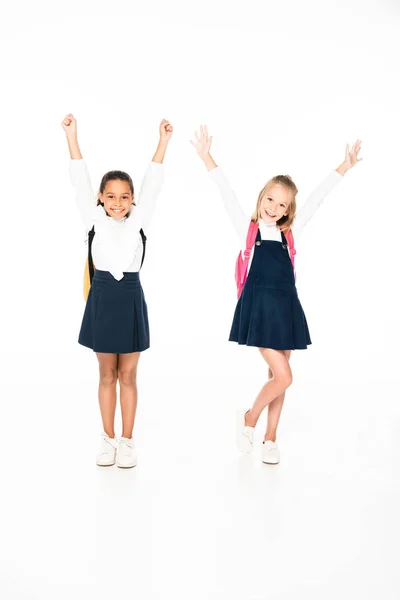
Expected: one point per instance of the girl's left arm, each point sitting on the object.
(315, 200)
(154, 176)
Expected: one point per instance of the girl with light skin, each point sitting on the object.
(268, 314)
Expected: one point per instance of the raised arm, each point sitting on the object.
(84, 196)
(154, 176)
(232, 205)
(315, 199)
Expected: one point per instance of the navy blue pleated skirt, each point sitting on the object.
(269, 315)
(115, 318)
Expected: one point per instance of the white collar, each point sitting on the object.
(264, 224)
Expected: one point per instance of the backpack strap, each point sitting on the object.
(90, 258)
(251, 239)
(242, 262)
(144, 239)
(289, 239)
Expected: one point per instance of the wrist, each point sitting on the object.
(343, 168)
(208, 161)
(72, 137)
(163, 143)
(206, 158)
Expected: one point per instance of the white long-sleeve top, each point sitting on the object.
(270, 231)
(117, 245)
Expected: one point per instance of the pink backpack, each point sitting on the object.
(242, 261)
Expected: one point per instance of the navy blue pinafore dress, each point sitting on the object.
(268, 313)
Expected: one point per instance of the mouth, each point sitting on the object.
(270, 215)
(118, 211)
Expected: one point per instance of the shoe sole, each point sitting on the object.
(270, 462)
(126, 466)
(105, 464)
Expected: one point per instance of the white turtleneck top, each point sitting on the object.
(117, 246)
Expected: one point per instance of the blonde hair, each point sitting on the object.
(285, 222)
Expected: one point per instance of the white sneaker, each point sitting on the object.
(270, 453)
(126, 454)
(107, 452)
(244, 434)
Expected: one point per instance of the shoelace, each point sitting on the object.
(109, 441)
(248, 434)
(126, 444)
(270, 447)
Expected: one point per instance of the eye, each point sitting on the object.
(282, 206)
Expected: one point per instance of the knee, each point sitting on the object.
(287, 379)
(127, 376)
(108, 377)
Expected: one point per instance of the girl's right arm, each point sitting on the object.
(85, 198)
(232, 205)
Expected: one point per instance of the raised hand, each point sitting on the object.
(351, 158)
(69, 125)
(166, 131)
(203, 142)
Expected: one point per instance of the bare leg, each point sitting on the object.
(108, 390)
(127, 370)
(281, 380)
(274, 410)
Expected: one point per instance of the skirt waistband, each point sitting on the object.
(106, 276)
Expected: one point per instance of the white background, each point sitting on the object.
(282, 86)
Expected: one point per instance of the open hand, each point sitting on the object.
(351, 158)
(203, 142)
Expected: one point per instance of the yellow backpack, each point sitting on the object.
(89, 270)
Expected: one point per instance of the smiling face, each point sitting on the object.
(275, 203)
(117, 198)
